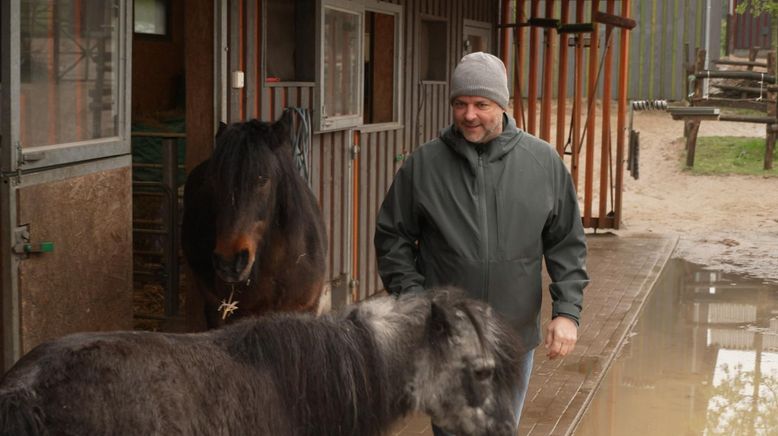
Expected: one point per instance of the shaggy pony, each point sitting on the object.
(352, 373)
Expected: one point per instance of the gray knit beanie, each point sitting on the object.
(483, 75)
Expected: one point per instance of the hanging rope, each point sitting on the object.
(761, 87)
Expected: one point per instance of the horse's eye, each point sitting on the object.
(483, 374)
(263, 180)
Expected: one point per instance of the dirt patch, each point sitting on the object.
(725, 222)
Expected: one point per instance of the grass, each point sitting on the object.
(722, 155)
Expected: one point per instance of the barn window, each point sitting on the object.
(433, 51)
(341, 65)
(382, 64)
(151, 17)
(289, 36)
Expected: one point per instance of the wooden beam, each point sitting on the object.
(747, 75)
(614, 20)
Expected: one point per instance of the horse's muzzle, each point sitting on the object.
(234, 269)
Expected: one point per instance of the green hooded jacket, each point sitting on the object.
(483, 222)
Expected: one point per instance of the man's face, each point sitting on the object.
(478, 118)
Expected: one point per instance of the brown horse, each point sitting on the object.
(252, 231)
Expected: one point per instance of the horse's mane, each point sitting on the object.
(335, 364)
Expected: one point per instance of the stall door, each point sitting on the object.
(66, 194)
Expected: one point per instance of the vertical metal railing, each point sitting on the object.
(165, 226)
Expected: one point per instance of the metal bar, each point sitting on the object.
(621, 117)
(505, 32)
(578, 97)
(518, 100)
(170, 250)
(532, 91)
(562, 83)
(591, 118)
(605, 148)
(548, 65)
(748, 119)
(9, 111)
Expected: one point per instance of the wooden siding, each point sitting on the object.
(350, 191)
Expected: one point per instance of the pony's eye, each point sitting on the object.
(483, 374)
(263, 180)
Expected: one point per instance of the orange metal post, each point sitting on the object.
(578, 96)
(591, 118)
(605, 150)
(548, 65)
(561, 95)
(621, 121)
(518, 67)
(532, 93)
(505, 32)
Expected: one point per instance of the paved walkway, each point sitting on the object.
(623, 271)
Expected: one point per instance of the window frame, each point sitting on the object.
(419, 61)
(321, 122)
(167, 35)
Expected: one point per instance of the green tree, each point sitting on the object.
(756, 8)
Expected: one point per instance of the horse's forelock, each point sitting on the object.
(242, 154)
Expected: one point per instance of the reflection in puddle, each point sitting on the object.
(702, 360)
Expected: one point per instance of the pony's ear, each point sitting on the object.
(283, 126)
(221, 129)
(438, 323)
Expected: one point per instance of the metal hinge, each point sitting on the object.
(354, 152)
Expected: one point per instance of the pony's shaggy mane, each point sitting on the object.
(343, 350)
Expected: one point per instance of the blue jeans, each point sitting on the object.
(525, 363)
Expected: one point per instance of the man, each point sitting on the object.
(479, 208)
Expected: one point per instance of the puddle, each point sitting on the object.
(701, 360)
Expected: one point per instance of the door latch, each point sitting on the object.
(23, 245)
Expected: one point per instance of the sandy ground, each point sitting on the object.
(729, 223)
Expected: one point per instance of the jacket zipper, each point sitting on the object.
(484, 226)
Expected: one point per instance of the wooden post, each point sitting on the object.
(548, 66)
(621, 116)
(561, 96)
(691, 141)
(772, 111)
(769, 146)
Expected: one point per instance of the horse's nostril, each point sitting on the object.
(241, 260)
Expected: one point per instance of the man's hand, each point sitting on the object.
(561, 336)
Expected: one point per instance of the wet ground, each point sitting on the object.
(701, 360)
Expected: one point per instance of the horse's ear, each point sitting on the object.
(439, 325)
(221, 129)
(283, 126)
